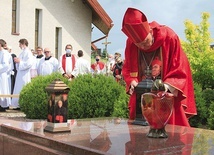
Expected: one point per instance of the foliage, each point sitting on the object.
(211, 116)
(89, 96)
(104, 54)
(208, 96)
(205, 108)
(120, 107)
(199, 51)
(201, 56)
(201, 118)
(96, 96)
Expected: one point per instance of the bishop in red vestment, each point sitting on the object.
(147, 42)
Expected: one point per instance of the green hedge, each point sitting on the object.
(97, 96)
(210, 119)
(89, 96)
(205, 108)
(200, 120)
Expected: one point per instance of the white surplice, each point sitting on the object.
(33, 70)
(47, 67)
(5, 81)
(82, 66)
(23, 73)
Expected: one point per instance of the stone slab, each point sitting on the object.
(110, 136)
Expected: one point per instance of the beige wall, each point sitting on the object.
(73, 17)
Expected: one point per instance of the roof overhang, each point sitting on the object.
(99, 17)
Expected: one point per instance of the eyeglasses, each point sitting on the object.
(46, 52)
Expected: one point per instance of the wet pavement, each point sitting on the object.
(12, 114)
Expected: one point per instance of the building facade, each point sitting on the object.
(49, 23)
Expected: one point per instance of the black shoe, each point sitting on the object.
(16, 108)
(2, 109)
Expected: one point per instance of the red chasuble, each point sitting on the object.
(175, 72)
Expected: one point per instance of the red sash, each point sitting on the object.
(73, 60)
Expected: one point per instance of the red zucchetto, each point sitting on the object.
(156, 61)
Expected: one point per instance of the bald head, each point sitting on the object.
(47, 52)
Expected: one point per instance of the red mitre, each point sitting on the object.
(156, 61)
(135, 25)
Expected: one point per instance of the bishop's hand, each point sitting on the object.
(132, 86)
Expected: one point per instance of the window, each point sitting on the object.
(58, 39)
(15, 13)
(38, 27)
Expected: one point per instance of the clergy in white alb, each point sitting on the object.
(39, 51)
(47, 64)
(33, 70)
(82, 65)
(5, 69)
(109, 64)
(23, 65)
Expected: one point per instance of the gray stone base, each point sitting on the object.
(57, 127)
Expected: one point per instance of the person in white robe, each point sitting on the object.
(5, 70)
(33, 70)
(23, 65)
(109, 65)
(13, 71)
(82, 65)
(11, 66)
(67, 62)
(37, 58)
(47, 64)
(39, 51)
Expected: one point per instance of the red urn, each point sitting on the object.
(157, 109)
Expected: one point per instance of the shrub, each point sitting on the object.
(97, 96)
(208, 95)
(120, 107)
(89, 96)
(201, 118)
(211, 116)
